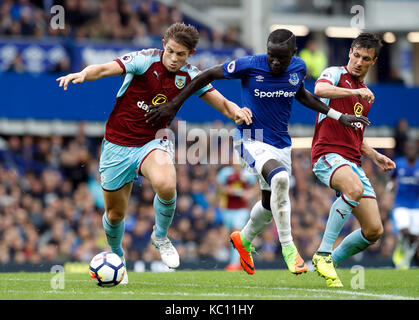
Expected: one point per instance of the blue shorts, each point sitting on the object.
(326, 166)
(120, 165)
(235, 218)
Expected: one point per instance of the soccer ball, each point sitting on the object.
(107, 269)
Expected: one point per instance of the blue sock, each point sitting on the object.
(351, 245)
(114, 234)
(339, 213)
(165, 210)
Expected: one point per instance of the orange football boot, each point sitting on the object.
(246, 259)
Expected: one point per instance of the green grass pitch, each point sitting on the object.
(379, 284)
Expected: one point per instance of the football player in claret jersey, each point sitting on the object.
(269, 82)
(130, 146)
(336, 158)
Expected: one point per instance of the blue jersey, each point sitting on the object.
(407, 184)
(268, 96)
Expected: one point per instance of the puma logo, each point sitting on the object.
(341, 214)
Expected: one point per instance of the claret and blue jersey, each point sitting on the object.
(268, 96)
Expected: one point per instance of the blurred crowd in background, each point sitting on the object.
(141, 22)
(51, 206)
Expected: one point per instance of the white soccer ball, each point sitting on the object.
(107, 269)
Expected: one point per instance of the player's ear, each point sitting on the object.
(350, 52)
(164, 43)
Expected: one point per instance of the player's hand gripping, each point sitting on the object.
(73, 77)
(366, 94)
(243, 115)
(353, 121)
(156, 115)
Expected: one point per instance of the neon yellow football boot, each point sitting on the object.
(323, 264)
(334, 283)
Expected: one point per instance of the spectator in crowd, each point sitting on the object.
(400, 137)
(235, 191)
(315, 59)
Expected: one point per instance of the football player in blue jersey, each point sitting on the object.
(405, 214)
(269, 82)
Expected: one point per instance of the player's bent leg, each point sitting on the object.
(278, 179)
(159, 169)
(368, 216)
(344, 179)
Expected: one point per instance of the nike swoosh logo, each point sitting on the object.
(248, 265)
(301, 265)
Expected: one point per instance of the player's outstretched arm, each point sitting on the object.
(91, 73)
(227, 107)
(167, 111)
(379, 159)
(307, 99)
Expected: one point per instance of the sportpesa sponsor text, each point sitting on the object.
(274, 94)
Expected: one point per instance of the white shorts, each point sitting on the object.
(254, 154)
(406, 218)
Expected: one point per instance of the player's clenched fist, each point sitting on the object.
(366, 94)
(73, 78)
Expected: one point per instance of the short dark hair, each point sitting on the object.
(186, 35)
(282, 36)
(368, 41)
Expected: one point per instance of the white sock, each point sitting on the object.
(281, 207)
(260, 218)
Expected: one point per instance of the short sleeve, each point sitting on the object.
(137, 62)
(237, 69)
(330, 75)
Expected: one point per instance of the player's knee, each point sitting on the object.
(355, 192)
(281, 181)
(115, 216)
(374, 232)
(165, 188)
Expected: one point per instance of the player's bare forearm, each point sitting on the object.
(367, 151)
(91, 73)
(310, 101)
(327, 90)
(98, 71)
(221, 104)
(228, 108)
(379, 159)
